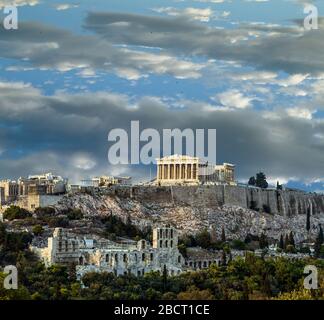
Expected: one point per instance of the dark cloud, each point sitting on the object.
(68, 134)
(291, 49)
(52, 48)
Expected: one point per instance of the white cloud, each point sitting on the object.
(293, 80)
(17, 3)
(65, 6)
(301, 113)
(203, 15)
(234, 99)
(83, 161)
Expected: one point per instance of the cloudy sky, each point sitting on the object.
(75, 70)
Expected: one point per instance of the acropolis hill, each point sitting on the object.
(192, 208)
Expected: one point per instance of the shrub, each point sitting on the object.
(45, 212)
(37, 230)
(75, 214)
(238, 245)
(15, 212)
(58, 222)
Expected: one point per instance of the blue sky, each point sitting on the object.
(76, 69)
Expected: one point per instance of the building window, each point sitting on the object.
(205, 264)
(171, 233)
(179, 259)
(135, 257)
(166, 243)
(143, 257)
(81, 261)
(116, 258)
(171, 244)
(125, 258)
(161, 244)
(151, 256)
(107, 257)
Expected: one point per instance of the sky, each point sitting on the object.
(75, 70)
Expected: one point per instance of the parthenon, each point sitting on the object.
(183, 169)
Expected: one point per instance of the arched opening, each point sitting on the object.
(161, 244)
(107, 258)
(166, 243)
(125, 258)
(81, 261)
(151, 256)
(143, 257)
(171, 244)
(179, 259)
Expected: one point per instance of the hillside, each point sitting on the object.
(191, 209)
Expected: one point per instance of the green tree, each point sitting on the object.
(318, 242)
(308, 224)
(286, 243)
(281, 242)
(291, 239)
(75, 214)
(14, 212)
(37, 230)
(261, 180)
(224, 259)
(252, 181)
(263, 241)
(203, 239)
(223, 238)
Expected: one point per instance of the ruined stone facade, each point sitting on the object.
(44, 184)
(107, 181)
(100, 255)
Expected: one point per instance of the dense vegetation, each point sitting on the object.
(114, 226)
(14, 212)
(249, 278)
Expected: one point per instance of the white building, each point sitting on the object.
(187, 170)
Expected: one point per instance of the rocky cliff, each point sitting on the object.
(192, 208)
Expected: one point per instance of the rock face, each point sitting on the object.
(191, 209)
